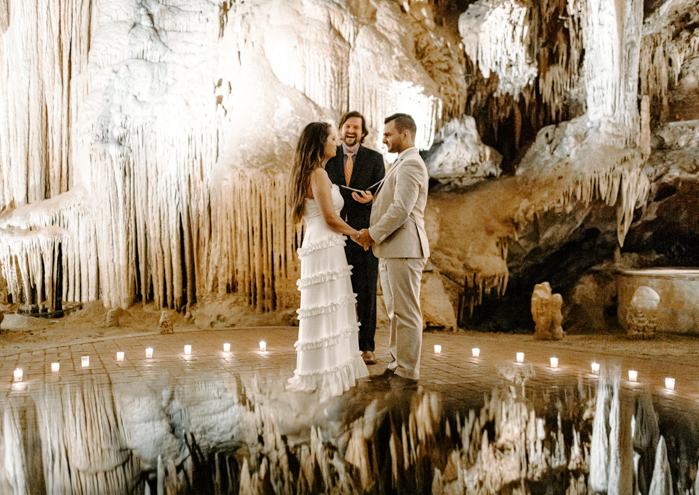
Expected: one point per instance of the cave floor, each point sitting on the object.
(462, 380)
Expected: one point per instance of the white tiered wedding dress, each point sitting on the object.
(328, 357)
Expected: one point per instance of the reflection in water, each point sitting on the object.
(95, 437)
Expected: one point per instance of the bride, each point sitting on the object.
(328, 357)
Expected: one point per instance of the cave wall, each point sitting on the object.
(145, 144)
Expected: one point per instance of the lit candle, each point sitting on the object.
(670, 383)
(187, 350)
(554, 362)
(55, 367)
(120, 355)
(18, 374)
(476, 352)
(595, 367)
(263, 345)
(520, 357)
(149, 352)
(633, 375)
(85, 361)
(437, 349)
(226, 347)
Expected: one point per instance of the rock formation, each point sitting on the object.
(165, 324)
(546, 311)
(642, 313)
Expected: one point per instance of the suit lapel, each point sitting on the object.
(393, 168)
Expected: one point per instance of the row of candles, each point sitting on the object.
(595, 367)
(475, 352)
(85, 360)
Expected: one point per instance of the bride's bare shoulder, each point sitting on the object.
(319, 174)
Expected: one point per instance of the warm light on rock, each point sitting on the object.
(187, 350)
(520, 357)
(263, 345)
(226, 347)
(120, 355)
(633, 375)
(55, 367)
(670, 383)
(595, 367)
(437, 349)
(149, 352)
(476, 352)
(554, 362)
(85, 361)
(18, 374)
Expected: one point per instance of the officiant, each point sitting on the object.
(358, 170)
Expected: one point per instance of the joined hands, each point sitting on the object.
(363, 239)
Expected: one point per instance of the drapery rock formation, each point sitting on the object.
(145, 145)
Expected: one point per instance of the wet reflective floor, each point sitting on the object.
(220, 422)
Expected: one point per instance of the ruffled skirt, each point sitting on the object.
(328, 357)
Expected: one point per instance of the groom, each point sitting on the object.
(398, 237)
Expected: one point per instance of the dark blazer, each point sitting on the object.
(368, 170)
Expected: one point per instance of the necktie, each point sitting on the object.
(349, 165)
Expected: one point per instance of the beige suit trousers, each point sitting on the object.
(400, 281)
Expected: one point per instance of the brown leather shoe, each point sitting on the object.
(368, 357)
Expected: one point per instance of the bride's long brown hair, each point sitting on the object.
(309, 155)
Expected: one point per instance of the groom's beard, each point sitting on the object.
(350, 140)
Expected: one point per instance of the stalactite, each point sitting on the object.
(153, 211)
(661, 484)
(666, 44)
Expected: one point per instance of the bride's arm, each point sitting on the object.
(322, 193)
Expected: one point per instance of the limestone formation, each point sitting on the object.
(113, 318)
(642, 313)
(165, 324)
(546, 311)
(437, 310)
(460, 158)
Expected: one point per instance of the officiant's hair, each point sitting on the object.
(310, 152)
(403, 122)
(348, 116)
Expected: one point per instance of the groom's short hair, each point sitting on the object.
(403, 122)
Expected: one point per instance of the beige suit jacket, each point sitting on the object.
(398, 213)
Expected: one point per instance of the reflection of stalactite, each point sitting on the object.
(82, 446)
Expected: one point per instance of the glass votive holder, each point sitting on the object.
(55, 367)
(670, 383)
(187, 350)
(633, 375)
(120, 355)
(437, 349)
(226, 347)
(554, 362)
(263, 345)
(85, 361)
(476, 352)
(18, 374)
(595, 367)
(149, 352)
(520, 357)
